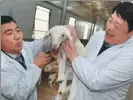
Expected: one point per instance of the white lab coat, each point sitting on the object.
(107, 76)
(16, 82)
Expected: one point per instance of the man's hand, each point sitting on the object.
(42, 59)
(70, 50)
(54, 54)
(72, 31)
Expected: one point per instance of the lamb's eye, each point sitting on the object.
(63, 35)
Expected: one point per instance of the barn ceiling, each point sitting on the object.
(89, 9)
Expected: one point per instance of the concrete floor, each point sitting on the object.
(44, 91)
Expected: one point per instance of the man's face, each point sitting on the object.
(12, 38)
(116, 30)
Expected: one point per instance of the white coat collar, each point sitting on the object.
(112, 49)
(14, 62)
(99, 45)
(8, 58)
(12, 55)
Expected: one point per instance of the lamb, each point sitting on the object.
(52, 67)
(58, 35)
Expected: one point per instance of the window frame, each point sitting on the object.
(50, 11)
(73, 18)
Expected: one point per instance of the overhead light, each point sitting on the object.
(56, 2)
(130, 1)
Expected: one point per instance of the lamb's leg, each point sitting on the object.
(73, 89)
(62, 86)
(62, 66)
(65, 95)
(61, 73)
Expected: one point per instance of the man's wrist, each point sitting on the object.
(74, 57)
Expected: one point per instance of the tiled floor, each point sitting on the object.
(44, 91)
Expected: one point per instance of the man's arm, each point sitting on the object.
(117, 73)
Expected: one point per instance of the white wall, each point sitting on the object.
(24, 12)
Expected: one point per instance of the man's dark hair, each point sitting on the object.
(125, 10)
(6, 19)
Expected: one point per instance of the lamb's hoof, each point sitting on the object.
(61, 91)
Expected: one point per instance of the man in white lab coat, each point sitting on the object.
(21, 62)
(107, 72)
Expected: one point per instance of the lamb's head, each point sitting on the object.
(58, 35)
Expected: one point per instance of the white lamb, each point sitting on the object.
(58, 36)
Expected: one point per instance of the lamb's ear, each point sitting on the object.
(47, 40)
(68, 34)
